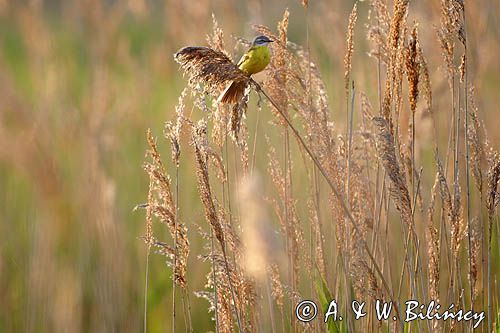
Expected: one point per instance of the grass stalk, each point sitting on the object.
(350, 116)
(175, 245)
(291, 265)
(254, 146)
(489, 286)
(187, 310)
(214, 277)
(145, 324)
(270, 304)
(467, 161)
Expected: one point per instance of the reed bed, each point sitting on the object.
(362, 164)
(344, 216)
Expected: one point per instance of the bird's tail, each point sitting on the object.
(233, 93)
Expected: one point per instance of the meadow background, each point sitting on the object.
(82, 81)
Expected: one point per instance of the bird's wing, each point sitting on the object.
(245, 57)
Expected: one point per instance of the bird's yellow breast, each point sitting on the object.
(255, 60)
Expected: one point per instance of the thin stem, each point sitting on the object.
(377, 215)
(350, 115)
(223, 246)
(467, 171)
(405, 263)
(490, 232)
(187, 309)
(270, 301)
(349, 146)
(236, 309)
(451, 144)
(418, 268)
(230, 220)
(228, 184)
(146, 292)
(254, 148)
(291, 266)
(175, 245)
(214, 277)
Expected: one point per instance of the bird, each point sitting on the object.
(253, 61)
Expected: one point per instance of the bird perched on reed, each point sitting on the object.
(253, 61)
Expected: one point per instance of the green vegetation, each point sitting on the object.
(82, 82)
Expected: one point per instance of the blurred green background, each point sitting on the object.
(80, 83)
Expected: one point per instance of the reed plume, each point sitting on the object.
(161, 204)
(387, 155)
(211, 67)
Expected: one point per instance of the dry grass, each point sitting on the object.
(380, 162)
(361, 164)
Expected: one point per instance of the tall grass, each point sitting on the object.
(311, 188)
(378, 159)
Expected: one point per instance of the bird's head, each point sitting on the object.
(261, 41)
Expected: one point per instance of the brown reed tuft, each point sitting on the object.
(452, 209)
(493, 193)
(457, 222)
(161, 204)
(364, 279)
(172, 130)
(148, 237)
(378, 30)
(158, 171)
(413, 68)
(350, 47)
(210, 67)
(434, 248)
(392, 94)
(444, 191)
(200, 143)
(461, 68)
(425, 78)
(228, 276)
(237, 112)
(475, 138)
(476, 243)
(220, 279)
(451, 28)
(243, 146)
(397, 25)
(216, 39)
(387, 154)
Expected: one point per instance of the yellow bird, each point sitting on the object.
(253, 61)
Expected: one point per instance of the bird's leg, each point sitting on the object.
(257, 86)
(259, 102)
(258, 90)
